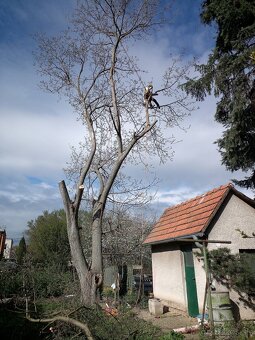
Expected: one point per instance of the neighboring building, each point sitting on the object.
(8, 248)
(178, 276)
(2, 242)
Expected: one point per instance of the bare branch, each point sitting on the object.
(89, 65)
(83, 326)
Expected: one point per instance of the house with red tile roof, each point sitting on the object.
(179, 278)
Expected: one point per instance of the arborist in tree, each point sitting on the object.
(148, 97)
(147, 101)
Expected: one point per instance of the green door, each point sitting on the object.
(191, 287)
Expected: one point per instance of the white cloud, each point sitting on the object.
(37, 144)
(22, 201)
(45, 185)
(37, 129)
(176, 196)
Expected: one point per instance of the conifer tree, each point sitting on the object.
(21, 250)
(229, 75)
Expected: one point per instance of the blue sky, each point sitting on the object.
(38, 129)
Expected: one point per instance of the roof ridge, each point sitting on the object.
(230, 185)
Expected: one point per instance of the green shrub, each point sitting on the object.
(247, 330)
(233, 270)
(10, 282)
(229, 330)
(104, 326)
(172, 336)
(49, 282)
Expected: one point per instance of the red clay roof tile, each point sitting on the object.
(189, 217)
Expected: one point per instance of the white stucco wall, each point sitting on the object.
(168, 264)
(168, 277)
(236, 215)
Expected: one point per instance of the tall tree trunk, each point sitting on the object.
(85, 275)
(97, 259)
(79, 261)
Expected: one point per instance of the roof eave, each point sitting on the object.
(175, 239)
(243, 197)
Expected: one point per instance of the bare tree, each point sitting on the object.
(123, 234)
(90, 65)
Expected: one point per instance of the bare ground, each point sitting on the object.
(173, 319)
